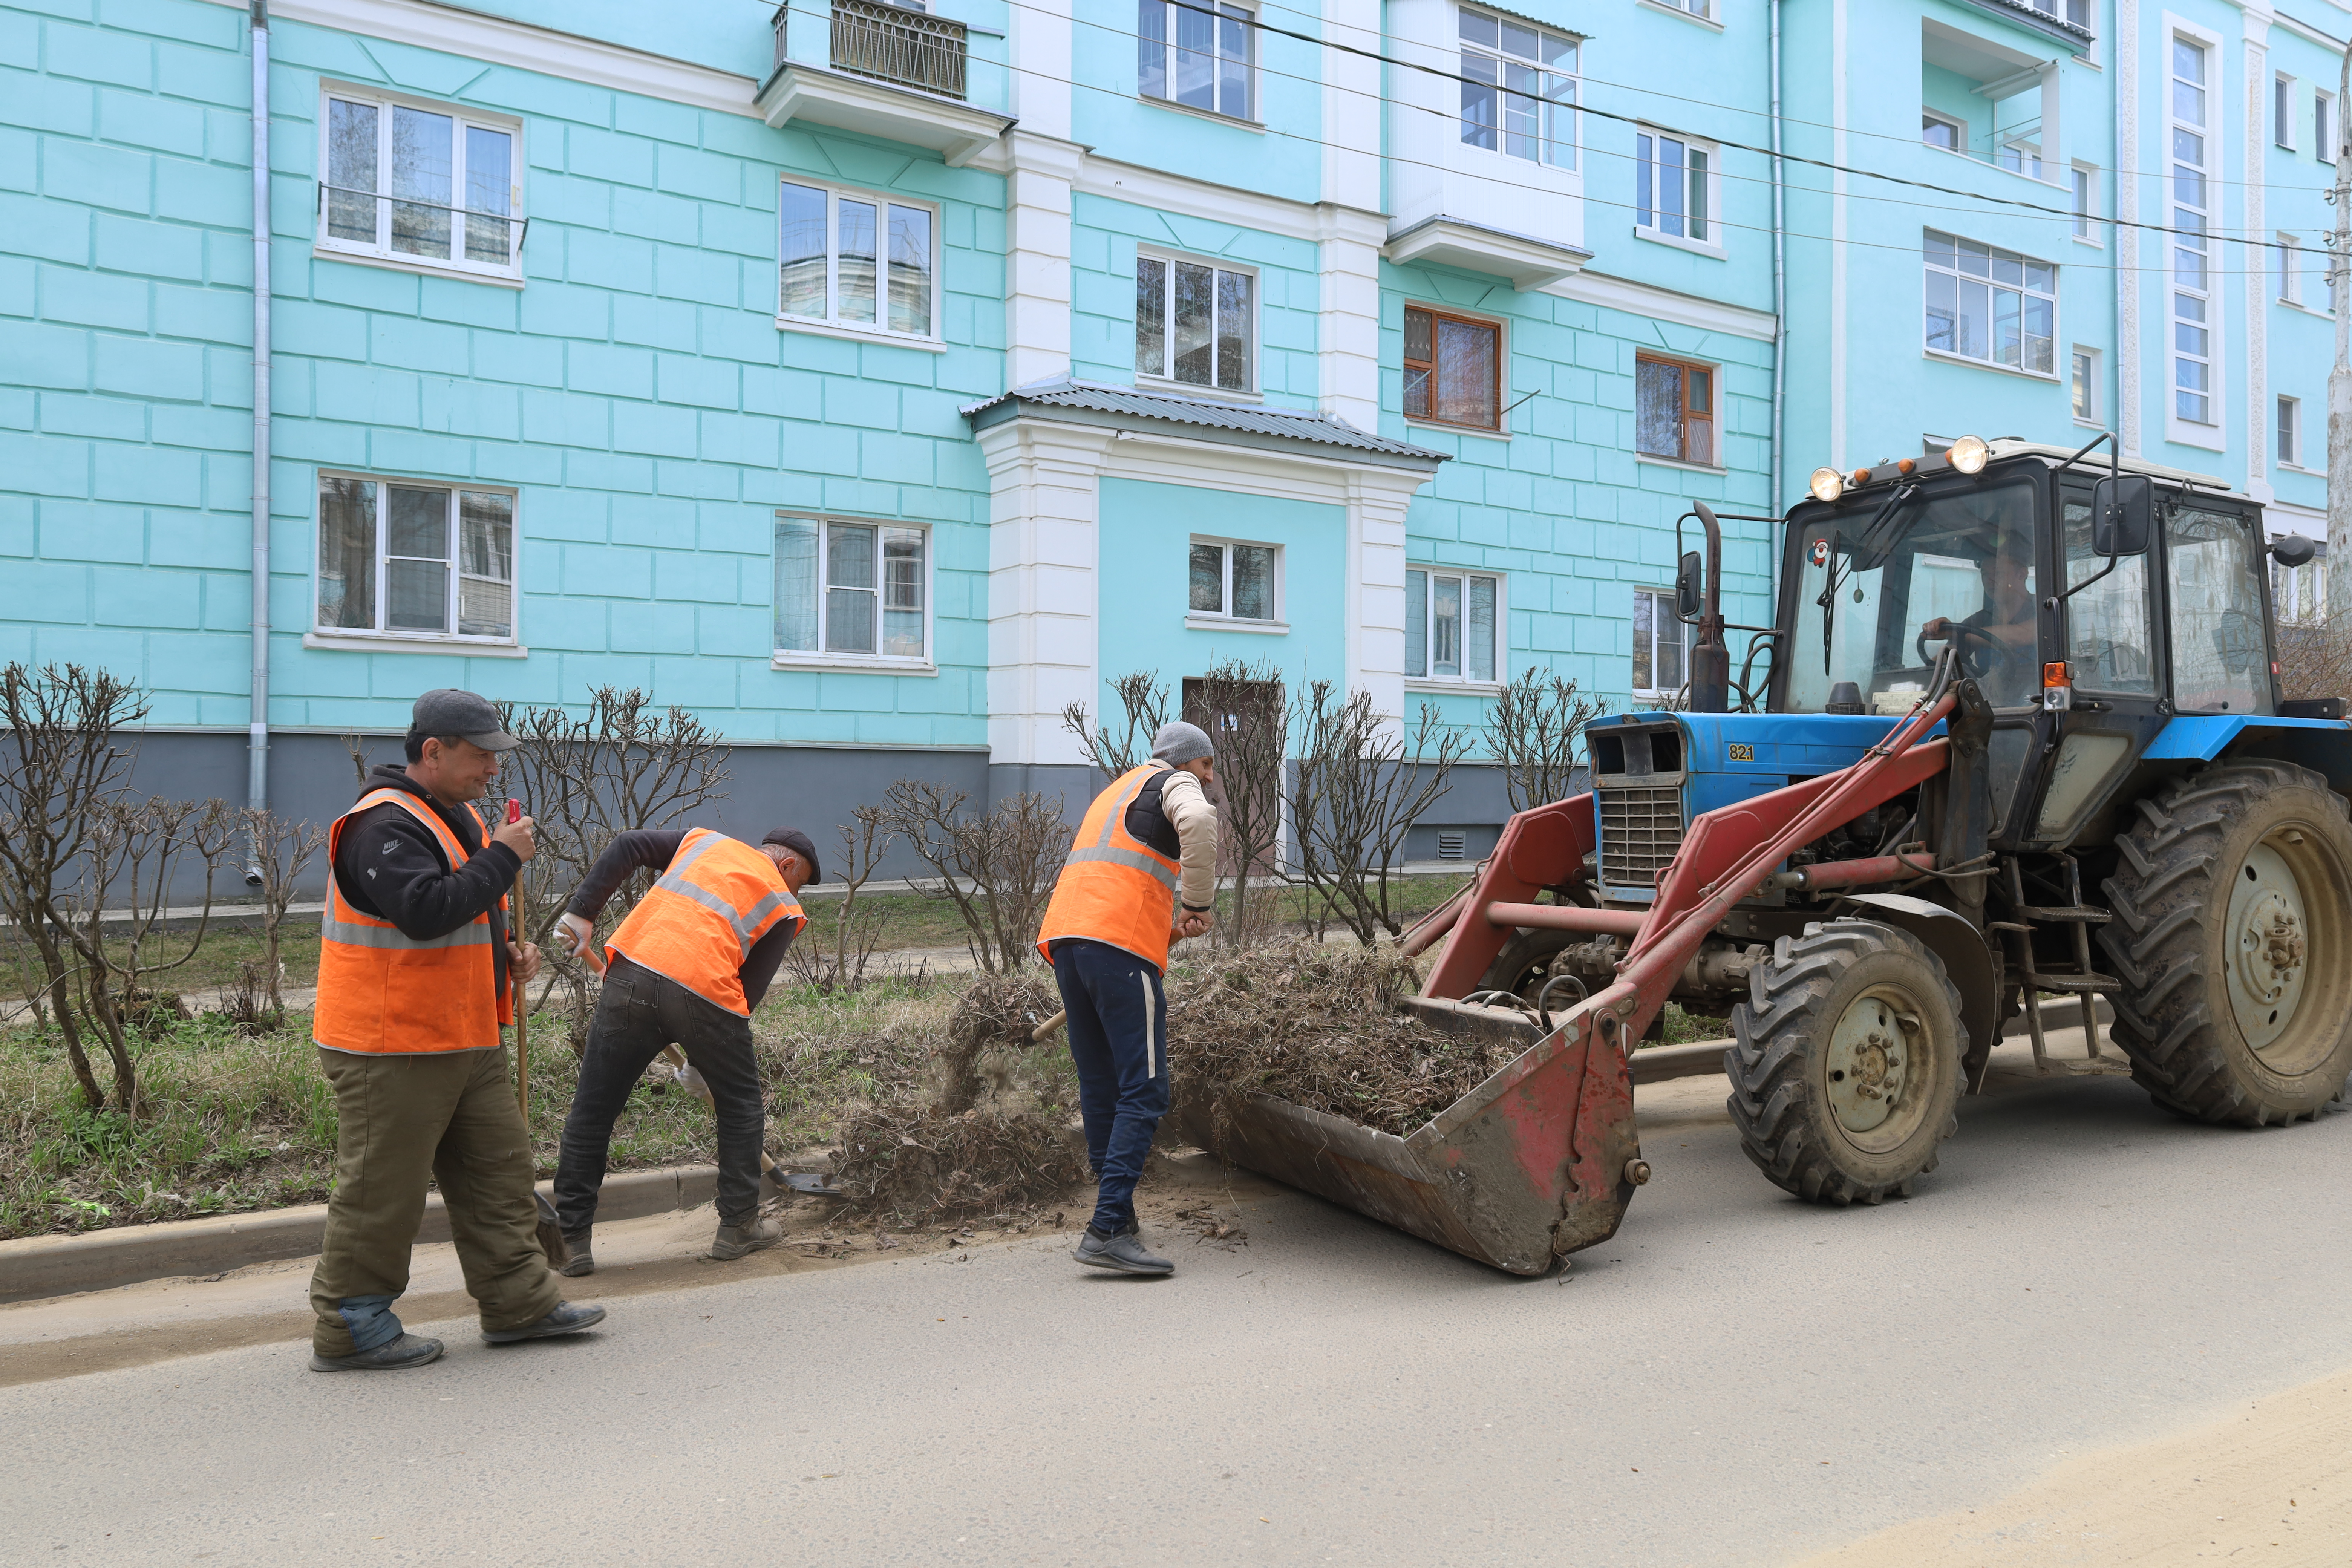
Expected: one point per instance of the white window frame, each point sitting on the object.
(2085, 193)
(1958, 128)
(1500, 61)
(1169, 261)
(2087, 375)
(1223, 619)
(1989, 280)
(2210, 432)
(2324, 128)
(2286, 419)
(1172, 16)
(1661, 611)
(822, 657)
(1645, 169)
(2078, 12)
(463, 116)
(2282, 111)
(2289, 256)
(380, 634)
(832, 324)
(1429, 679)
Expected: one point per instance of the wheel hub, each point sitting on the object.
(1869, 1061)
(2268, 938)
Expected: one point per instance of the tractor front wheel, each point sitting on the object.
(1845, 1064)
(2233, 935)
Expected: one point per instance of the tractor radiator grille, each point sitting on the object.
(1640, 829)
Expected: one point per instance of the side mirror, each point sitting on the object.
(1690, 588)
(2123, 515)
(2294, 549)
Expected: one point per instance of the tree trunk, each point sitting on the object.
(2339, 379)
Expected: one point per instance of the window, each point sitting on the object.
(437, 185)
(2192, 346)
(1198, 53)
(2289, 252)
(1195, 323)
(2323, 120)
(1452, 370)
(2282, 111)
(1942, 130)
(2214, 559)
(1660, 641)
(1674, 409)
(1234, 580)
(1989, 304)
(2084, 180)
(2085, 385)
(2022, 155)
(1520, 98)
(859, 589)
(843, 267)
(2290, 431)
(1670, 186)
(1450, 621)
(2075, 11)
(1695, 7)
(415, 559)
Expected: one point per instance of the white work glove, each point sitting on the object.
(578, 936)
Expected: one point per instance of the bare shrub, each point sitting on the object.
(1360, 782)
(279, 848)
(996, 866)
(1537, 734)
(838, 959)
(1143, 703)
(2316, 658)
(1242, 707)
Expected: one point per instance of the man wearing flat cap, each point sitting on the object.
(415, 974)
(686, 968)
(1146, 844)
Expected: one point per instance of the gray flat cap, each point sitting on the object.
(450, 711)
(1181, 742)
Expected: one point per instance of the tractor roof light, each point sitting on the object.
(1827, 484)
(1969, 454)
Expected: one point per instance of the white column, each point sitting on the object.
(1348, 326)
(1044, 550)
(1376, 550)
(1038, 257)
(2258, 259)
(2129, 394)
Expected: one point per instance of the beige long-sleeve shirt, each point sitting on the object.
(1188, 810)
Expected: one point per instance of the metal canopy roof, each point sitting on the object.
(1125, 403)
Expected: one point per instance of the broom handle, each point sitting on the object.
(521, 1000)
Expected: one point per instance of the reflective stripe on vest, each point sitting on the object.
(700, 921)
(1114, 888)
(381, 992)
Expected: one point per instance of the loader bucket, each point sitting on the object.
(1531, 1165)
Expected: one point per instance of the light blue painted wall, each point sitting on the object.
(1147, 533)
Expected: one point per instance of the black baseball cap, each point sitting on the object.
(794, 839)
(448, 710)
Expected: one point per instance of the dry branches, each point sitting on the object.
(1360, 782)
(1537, 734)
(997, 867)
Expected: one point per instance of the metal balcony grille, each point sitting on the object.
(896, 43)
(1641, 830)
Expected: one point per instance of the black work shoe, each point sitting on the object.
(393, 1355)
(1124, 1252)
(734, 1240)
(577, 1259)
(566, 1318)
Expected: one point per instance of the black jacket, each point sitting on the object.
(652, 849)
(390, 865)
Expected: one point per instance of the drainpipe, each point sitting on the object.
(256, 785)
(1779, 294)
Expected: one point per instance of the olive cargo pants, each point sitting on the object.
(401, 1120)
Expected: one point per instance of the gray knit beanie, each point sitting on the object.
(1181, 742)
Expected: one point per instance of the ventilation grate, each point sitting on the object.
(1450, 846)
(1641, 830)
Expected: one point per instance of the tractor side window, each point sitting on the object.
(2214, 571)
(2107, 623)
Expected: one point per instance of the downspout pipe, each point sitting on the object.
(257, 784)
(1779, 295)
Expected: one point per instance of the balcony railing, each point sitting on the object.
(896, 43)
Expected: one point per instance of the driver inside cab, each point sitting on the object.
(1999, 643)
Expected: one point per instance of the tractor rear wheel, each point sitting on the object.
(2233, 935)
(1520, 968)
(1845, 1062)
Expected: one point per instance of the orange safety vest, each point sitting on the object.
(700, 921)
(381, 993)
(1114, 888)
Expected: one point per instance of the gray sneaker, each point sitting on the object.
(1124, 1253)
(566, 1318)
(393, 1355)
(734, 1240)
(577, 1259)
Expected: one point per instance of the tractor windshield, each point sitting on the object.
(1878, 600)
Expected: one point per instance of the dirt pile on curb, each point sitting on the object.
(1319, 1026)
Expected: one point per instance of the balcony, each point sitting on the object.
(890, 71)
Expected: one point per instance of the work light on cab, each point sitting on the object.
(1969, 454)
(1828, 484)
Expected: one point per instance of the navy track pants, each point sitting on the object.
(1117, 1029)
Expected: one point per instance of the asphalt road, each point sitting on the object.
(1738, 1378)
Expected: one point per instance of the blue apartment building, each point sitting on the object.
(877, 379)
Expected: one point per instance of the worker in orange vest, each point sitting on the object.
(687, 967)
(413, 968)
(1106, 932)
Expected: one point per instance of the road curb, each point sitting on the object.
(35, 1266)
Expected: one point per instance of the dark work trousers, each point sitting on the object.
(1117, 1028)
(638, 1014)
